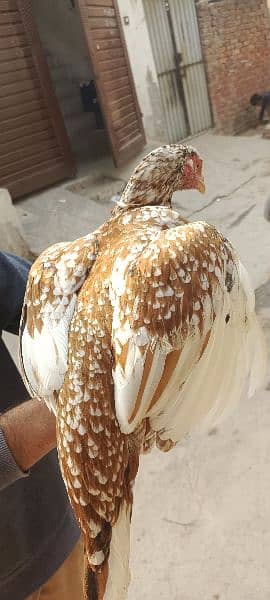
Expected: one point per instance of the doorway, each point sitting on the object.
(91, 31)
(63, 40)
(175, 40)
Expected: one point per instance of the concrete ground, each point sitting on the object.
(201, 523)
(11, 231)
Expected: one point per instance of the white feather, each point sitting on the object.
(119, 575)
(235, 356)
(127, 384)
(169, 401)
(203, 387)
(44, 355)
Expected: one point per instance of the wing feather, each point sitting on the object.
(185, 333)
(50, 301)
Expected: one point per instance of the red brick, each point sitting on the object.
(235, 38)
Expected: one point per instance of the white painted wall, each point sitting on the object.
(143, 68)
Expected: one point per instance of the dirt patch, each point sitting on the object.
(263, 296)
(98, 188)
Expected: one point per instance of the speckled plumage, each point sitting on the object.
(132, 335)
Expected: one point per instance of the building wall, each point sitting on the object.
(236, 44)
(143, 68)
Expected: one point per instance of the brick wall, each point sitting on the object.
(235, 38)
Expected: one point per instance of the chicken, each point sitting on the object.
(135, 335)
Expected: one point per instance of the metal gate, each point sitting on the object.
(175, 40)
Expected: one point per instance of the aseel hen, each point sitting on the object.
(135, 335)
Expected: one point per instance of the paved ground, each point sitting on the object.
(201, 526)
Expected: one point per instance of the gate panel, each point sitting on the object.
(160, 37)
(175, 39)
(192, 67)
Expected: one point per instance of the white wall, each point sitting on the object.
(143, 67)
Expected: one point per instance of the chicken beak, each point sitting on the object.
(201, 185)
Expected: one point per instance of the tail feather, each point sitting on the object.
(90, 582)
(95, 581)
(118, 563)
(109, 580)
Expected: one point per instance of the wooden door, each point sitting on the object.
(34, 146)
(113, 78)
